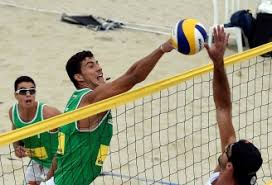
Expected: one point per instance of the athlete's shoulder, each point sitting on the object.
(10, 110)
(87, 97)
(12, 107)
(49, 111)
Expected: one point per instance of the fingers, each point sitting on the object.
(220, 35)
(217, 33)
(223, 34)
(215, 36)
(19, 154)
(23, 149)
(207, 46)
(20, 151)
(227, 39)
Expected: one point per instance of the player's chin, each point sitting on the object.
(28, 104)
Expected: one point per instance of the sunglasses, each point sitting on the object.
(31, 91)
(228, 152)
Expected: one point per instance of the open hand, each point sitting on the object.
(20, 151)
(217, 49)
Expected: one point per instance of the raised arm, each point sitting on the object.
(221, 90)
(135, 74)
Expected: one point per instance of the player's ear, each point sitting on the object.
(78, 77)
(229, 166)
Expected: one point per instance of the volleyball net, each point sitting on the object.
(166, 132)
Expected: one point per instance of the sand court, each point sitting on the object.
(167, 137)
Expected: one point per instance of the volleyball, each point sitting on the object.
(189, 36)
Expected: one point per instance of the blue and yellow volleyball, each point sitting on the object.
(189, 36)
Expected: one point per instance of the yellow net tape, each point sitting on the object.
(63, 119)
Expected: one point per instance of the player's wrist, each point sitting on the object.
(162, 48)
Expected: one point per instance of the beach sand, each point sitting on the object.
(35, 42)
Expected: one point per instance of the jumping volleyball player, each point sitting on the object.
(83, 145)
(42, 147)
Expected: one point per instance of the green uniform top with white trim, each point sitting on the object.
(81, 154)
(41, 147)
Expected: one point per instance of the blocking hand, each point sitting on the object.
(217, 49)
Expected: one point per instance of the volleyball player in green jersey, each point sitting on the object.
(83, 145)
(42, 147)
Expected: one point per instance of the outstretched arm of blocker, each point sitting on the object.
(221, 90)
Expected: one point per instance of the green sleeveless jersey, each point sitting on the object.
(81, 154)
(42, 147)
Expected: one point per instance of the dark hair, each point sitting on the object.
(74, 63)
(246, 160)
(23, 79)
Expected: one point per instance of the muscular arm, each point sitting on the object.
(222, 99)
(135, 74)
(221, 90)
